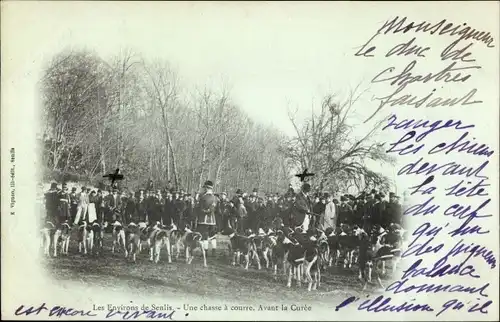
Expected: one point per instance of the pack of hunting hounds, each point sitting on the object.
(296, 240)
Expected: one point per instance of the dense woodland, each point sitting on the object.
(137, 116)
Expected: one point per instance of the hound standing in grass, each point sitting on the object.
(192, 240)
(62, 236)
(373, 253)
(159, 237)
(176, 239)
(85, 238)
(133, 240)
(119, 238)
(98, 233)
(243, 245)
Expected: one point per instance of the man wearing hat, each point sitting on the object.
(51, 203)
(111, 204)
(206, 217)
(140, 206)
(150, 185)
(271, 211)
(361, 211)
(73, 208)
(63, 205)
(319, 209)
(237, 196)
(178, 207)
(252, 207)
(301, 209)
(345, 211)
(149, 201)
(394, 210)
(222, 212)
(168, 208)
(384, 207)
(187, 217)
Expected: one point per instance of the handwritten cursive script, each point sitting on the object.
(62, 311)
(450, 203)
(459, 66)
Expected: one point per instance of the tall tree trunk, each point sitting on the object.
(100, 130)
(203, 159)
(168, 163)
(174, 163)
(221, 161)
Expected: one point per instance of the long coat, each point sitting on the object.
(206, 209)
(300, 208)
(330, 217)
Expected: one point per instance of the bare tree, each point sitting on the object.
(71, 87)
(164, 83)
(135, 116)
(325, 145)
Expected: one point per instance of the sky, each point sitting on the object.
(274, 57)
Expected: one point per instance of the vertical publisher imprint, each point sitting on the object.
(12, 180)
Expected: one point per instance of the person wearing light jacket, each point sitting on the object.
(82, 206)
(330, 217)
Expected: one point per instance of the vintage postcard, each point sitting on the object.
(246, 161)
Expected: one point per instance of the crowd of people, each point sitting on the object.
(241, 211)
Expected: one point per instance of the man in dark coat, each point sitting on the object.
(206, 217)
(155, 208)
(140, 207)
(236, 197)
(286, 208)
(395, 210)
(51, 203)
(63, 205)
(319, 210)
(377, 212)
(252, 212)
(73, 199)
(150, 185)
(301, 209)
(178, 208)
(271, 212)
(168, 209)
(224, 212)
(345, 211)
(99, 207)
(368, 210)
(111, 206)
(129, 209)
(187, 219)
(233, 215)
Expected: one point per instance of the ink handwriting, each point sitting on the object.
(451, 162)
(56, 310)
(469, 210)
(61, 311)
(405, 77)
(459, 58)
(386, 304)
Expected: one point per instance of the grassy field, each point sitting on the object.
(218, 280)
